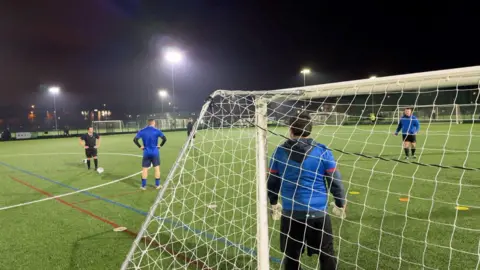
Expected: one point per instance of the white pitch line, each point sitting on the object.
(74, 192)
(77, 153)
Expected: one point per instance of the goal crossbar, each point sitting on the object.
(407, 82)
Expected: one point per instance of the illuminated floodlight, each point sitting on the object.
(162, 93)
(305, 71)
(174, 56)
(54, 89)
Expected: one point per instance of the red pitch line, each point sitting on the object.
(199, 264)
(113, 196)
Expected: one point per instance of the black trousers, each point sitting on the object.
(313, 234)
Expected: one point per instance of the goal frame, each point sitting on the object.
(390, 84)
(122, 125)
(339, 118)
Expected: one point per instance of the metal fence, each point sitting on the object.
(133, 123)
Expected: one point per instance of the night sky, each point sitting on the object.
(110, 51)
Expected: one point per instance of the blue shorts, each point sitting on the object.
(153, 160)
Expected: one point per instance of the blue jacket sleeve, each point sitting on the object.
(417, 125)
(274, 181)
(399, 127)
(335, 185)
(333, 178)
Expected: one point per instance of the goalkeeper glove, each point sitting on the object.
(337, 211)
(276, 211)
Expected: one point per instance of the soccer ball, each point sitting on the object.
(84, 161)
(100, 170)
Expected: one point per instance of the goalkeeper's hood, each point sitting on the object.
(298, 149)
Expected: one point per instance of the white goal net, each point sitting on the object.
(213, 211)
(328, 118)
(108, 126)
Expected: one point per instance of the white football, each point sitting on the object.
(84, 161)
(100, 170)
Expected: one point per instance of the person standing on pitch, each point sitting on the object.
(91, 142)
(190, 129)
(409, 125)
(151, 153)
(303, 171)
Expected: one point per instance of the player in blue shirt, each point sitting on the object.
(151, 153)
(304, 171)
(409, 125)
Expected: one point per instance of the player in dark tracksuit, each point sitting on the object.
(91, 142)
(190, 129)
(303, 172)
(409, 125)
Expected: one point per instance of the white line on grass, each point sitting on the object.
(80, 154)
(74, 192)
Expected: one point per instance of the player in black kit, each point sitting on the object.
(91, 142)
(190, 129)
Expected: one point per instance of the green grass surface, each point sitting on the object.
(380, 231)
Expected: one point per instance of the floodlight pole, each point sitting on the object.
(173, 86)
(305, 71)
(174, 57)
(163, 94)
(55, 111)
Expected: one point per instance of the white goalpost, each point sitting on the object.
(108, 126)
(213, 210)
(328, 118)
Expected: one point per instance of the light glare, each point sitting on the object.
(54, 89)
(305, 71)
(162, 93)
(173, 56)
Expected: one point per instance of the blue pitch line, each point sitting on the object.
(143, 213)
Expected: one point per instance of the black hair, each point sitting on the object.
(301, 125)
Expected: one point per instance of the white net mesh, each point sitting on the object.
(108, 126)
(328, 118)
(420, 214)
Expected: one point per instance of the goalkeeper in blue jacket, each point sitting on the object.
(409, 125)
(304, 171)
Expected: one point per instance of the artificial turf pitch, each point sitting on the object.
(400, 216)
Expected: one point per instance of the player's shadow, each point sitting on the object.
(439, 153)
(111, 176)
(76, 261)
(76, 164)
(132, 182)
(129, 181)
(358, 159)
(392, 158)
(174, 242)
(136, 183)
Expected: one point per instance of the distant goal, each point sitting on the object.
(328, 118)
(110, 126)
